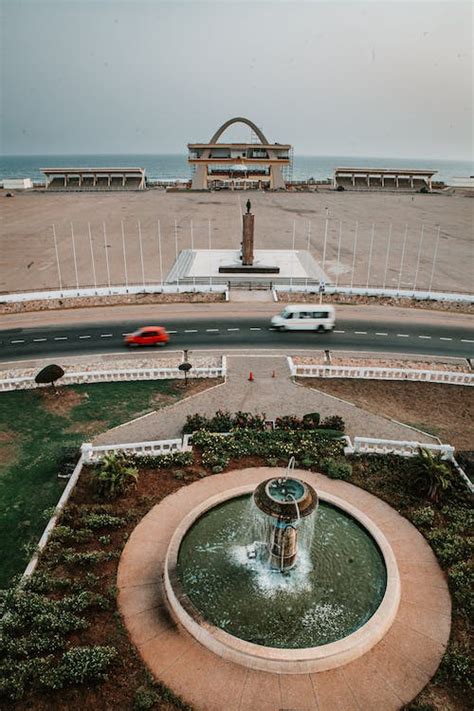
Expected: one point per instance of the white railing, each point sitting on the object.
(112, 376)
(94, 453)
(113, 291)
(389, 293)
(377, 373)
(404, 448)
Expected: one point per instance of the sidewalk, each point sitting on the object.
(274, 396)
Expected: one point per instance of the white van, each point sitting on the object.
(305, 317)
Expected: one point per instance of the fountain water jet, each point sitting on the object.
(285, 501)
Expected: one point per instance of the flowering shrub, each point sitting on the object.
(223, 422)
(217, 451)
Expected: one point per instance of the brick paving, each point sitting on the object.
(275, 396)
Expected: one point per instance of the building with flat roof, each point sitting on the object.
(239, 165)
(92, 179)
(383, 178)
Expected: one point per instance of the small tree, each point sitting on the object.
(185, 368)
(433, 476)
(49, 375)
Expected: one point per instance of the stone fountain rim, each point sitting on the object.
(283, 661)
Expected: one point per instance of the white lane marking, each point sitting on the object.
(211, 330)
(424, 336)
(339, 331)
(106, 335)
(233, 329)
(403, 335)
(466, 340)
(18, 341)
(60, 338)
(361, 333)
(39, 340)
(172, 331)
(190, 330)
(381, 334)
(255, 329)
(442, 338)
(84, 336)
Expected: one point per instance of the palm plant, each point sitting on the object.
(115, 475)
(433, 476)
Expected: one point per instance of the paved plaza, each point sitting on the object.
(360, 222)
(272, 391)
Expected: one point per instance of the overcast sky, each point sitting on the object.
(143, 76)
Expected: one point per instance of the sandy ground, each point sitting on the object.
(28, 259)
(446, 411)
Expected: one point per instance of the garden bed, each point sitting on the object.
(85, 549)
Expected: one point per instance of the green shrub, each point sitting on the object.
(307, 463)
(195, 423)
(460, 518)
(449, 547)
(311, 419)
(165, 461)
(66, 534)
(217, 469)
(79, 665)
(45, 583)
(334, 422)
(179, 474)
(337, 468)
(461, 582)
(431, 476)
(457, 667)
(114, 475)
(144, 699)
(423, 517)
(70, 557)
(97, 521)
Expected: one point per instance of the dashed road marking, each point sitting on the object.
(233, 329)
(18, 341)
(106, 335)
(381, 334)
(84, 336)
(255, 329)
(168, 332)
(212, 330)
(403, 335)
(466, 340)
(60, 338)
(361, 333)
(190, 330)
(39, 340)
(424, 336)
(339, 331)
(442, 338)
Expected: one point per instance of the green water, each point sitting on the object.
(337, 585)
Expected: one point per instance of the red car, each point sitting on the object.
(147, 336)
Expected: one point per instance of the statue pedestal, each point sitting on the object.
(247, 239)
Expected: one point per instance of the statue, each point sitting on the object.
(249, 205)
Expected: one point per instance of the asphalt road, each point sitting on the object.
(231, 333)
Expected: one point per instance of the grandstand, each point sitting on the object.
(412, 180)
(94, 179)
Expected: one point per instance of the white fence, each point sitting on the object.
(113, 291)
(389, 293)
(94, 453)
(376, 373)
(113, 376)
(404, 448)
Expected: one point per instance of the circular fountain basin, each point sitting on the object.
(337, 603)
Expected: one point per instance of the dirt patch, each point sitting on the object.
(402, 302)
(8, 448)
(119, 300)
(62, 402)
(92, 428)
(446, 411)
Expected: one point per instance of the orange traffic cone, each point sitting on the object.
(251, 376)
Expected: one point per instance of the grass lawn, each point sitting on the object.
(39, 431)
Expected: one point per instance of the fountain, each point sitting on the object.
(256, 576)
(286, 501)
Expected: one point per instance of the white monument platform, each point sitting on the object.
(202, 263)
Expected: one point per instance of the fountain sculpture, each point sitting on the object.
(286, 501)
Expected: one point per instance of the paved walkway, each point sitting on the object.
(275, 396)
(386, 677)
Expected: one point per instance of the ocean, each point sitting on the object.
(171, 167)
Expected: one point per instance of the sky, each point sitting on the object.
(340, 78)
